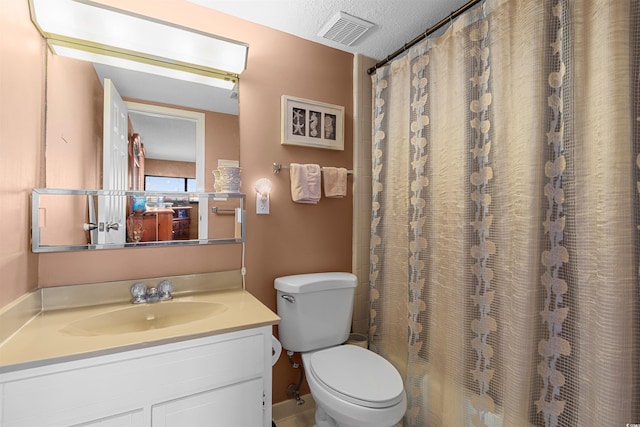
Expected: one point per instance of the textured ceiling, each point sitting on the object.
(396, 21)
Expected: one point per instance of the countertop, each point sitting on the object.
(41, 341)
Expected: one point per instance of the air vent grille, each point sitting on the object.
(344, 29)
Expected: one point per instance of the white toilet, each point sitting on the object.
(352, 386)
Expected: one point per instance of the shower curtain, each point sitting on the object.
(504, 270)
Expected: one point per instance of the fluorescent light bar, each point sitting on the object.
(77, 52)
(95, 27)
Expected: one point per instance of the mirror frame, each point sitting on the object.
(38, 247)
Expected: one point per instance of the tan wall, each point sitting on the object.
(295, 238)
(73, 146)
(74, 124)
(21, 135)
(225, 129)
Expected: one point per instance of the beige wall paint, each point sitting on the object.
(21, 136)
(74, 124)
(224, 129)
(295, 238)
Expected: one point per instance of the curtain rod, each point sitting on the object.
(424, 35)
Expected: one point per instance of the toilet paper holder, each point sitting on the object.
(276, 350)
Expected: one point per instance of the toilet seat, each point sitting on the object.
(358, 376)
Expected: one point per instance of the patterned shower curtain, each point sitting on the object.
(504, 271)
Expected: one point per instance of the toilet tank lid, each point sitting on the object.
(312, 282)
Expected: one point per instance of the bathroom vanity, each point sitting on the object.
(211, 371)
(217, 381)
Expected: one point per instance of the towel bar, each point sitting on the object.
(279, 166)
(219, 211)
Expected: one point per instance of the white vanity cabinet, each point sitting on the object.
(221, 380)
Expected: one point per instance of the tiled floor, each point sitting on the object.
(303, 419)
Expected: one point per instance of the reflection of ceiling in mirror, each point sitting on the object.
(137, 85)
(165, 138)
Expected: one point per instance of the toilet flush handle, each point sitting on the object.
(289, 298)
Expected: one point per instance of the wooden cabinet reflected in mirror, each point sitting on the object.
(164, 224)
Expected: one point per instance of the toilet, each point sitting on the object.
(352, 386)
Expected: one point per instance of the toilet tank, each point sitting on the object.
(315, 309)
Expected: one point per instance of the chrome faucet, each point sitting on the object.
(142, 294)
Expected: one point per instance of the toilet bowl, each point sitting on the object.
(355, 387)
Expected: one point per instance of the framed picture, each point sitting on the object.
(312, 124)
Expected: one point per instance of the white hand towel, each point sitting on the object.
(305, 183)
(335, 182)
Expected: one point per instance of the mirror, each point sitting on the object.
(163, 219)
(74, 113)
(172, 117)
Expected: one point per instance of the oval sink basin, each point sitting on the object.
(144, 317)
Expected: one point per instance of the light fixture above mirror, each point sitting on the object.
(88, 30)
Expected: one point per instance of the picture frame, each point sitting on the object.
(312, 124)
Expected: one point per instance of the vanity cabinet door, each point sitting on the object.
(234, 405)
(132, 419)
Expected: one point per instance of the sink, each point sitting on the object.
(144, 317)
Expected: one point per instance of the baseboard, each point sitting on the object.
(290, 408)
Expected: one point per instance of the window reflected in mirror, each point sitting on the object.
(169, 183)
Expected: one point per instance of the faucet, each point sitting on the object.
(142, 294)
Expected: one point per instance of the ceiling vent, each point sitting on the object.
(344, 29)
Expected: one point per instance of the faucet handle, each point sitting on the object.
(139, 293)
(165, 288)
